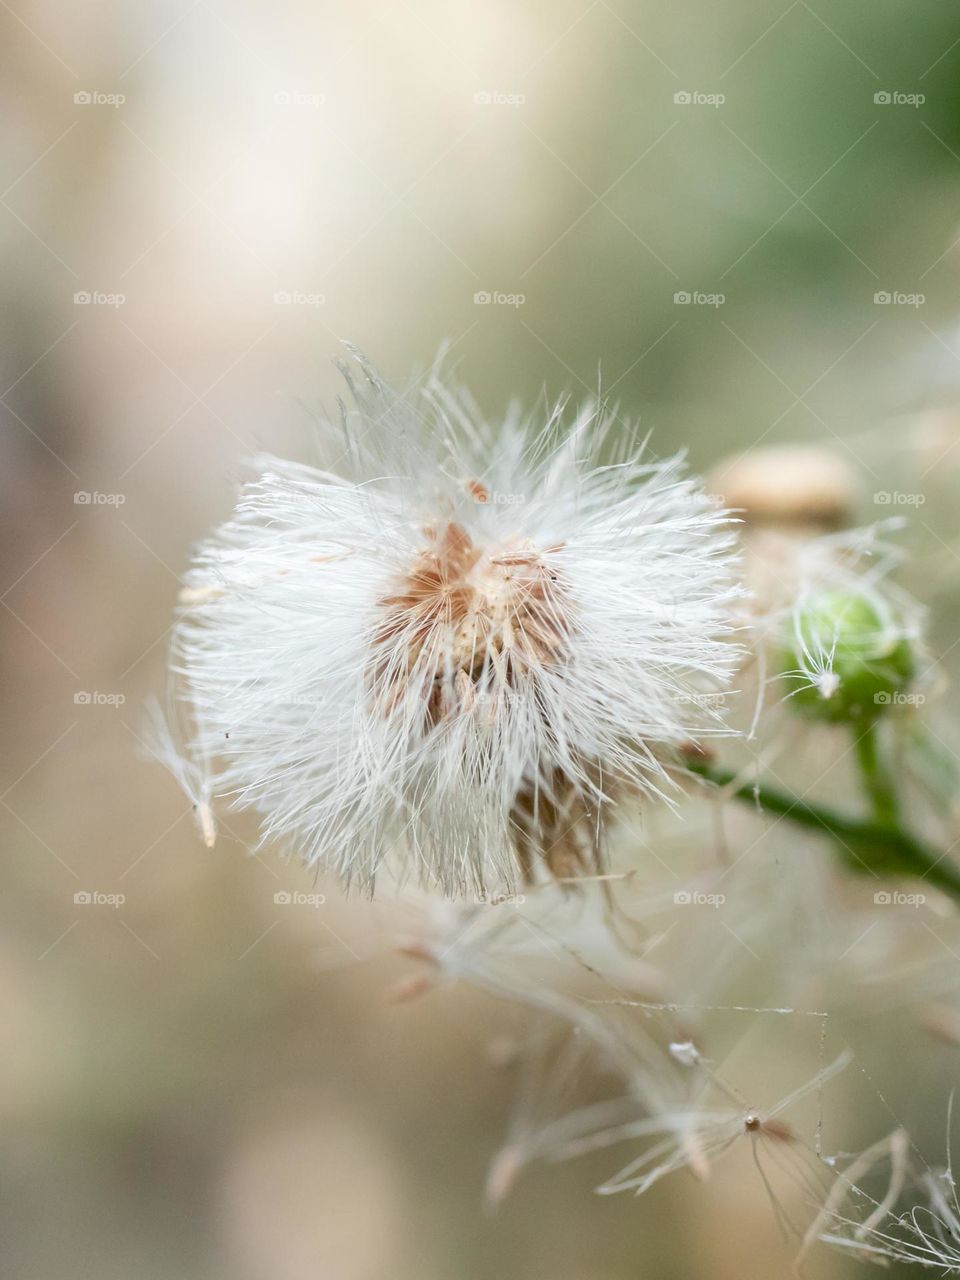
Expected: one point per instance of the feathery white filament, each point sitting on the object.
(449, 650)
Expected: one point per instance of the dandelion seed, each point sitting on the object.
(453, 657)
(927, 1235)
(191, 771)
(549, 1074)
(546, 1125)
(697, 1135)
(527, 954)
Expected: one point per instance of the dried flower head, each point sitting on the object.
(810, 486)
(450, 651)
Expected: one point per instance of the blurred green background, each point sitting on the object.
(199, 200)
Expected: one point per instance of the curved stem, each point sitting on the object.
(879, 784)
(882, 847)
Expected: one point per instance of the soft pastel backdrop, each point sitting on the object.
(200, 1084)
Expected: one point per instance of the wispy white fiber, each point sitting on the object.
(459, 639)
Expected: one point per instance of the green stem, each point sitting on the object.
(876, 846)
(876, 777)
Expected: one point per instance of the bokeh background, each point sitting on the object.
(697, 207)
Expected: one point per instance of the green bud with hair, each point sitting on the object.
(849, 656)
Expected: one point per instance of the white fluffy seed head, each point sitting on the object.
(448, 651)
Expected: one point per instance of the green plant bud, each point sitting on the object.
(849, 660)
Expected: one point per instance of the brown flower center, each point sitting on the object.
(465, 624)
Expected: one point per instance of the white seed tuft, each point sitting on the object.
(449, 651)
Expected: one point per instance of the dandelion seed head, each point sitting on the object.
(449, 653)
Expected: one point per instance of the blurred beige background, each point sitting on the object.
(693, 206)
